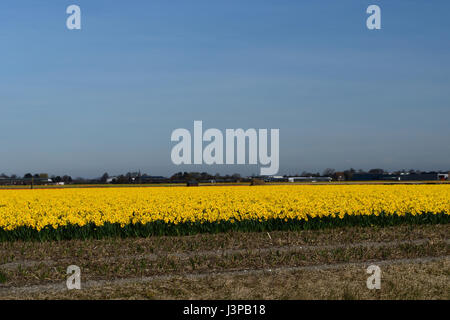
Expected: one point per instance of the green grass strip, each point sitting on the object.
(161, 228)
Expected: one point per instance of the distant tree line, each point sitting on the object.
(137, 177)
(181, 177)
(204, 176)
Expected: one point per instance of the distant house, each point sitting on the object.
(111, 179)
(309, 179)
(340, 176)
(275, 179)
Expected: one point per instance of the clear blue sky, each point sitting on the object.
(107, 97)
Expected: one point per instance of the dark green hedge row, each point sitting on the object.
(90, 231)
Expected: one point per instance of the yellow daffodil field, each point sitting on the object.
(143, 211)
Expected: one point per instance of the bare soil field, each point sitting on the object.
(309, 264)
